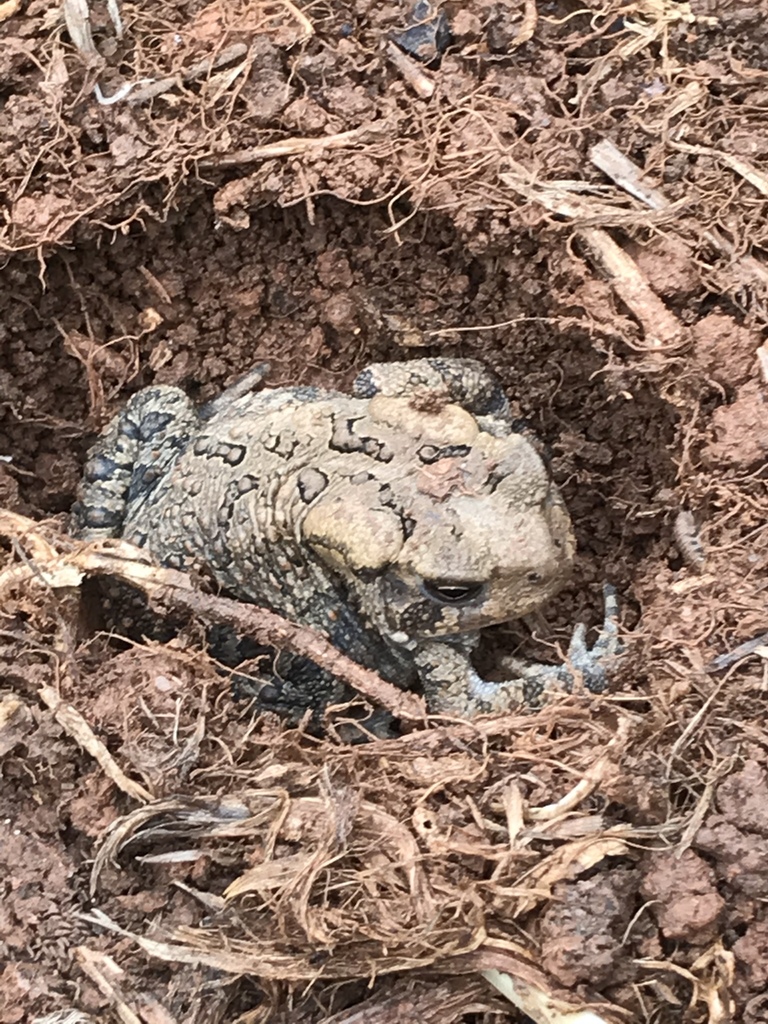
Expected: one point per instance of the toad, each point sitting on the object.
(399, 521)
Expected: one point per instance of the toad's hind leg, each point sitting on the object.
(452, 686)
(465, 382)
(135, 451)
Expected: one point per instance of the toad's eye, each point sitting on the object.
(451, 593)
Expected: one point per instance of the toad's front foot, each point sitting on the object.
(589, 666)
(453, 687)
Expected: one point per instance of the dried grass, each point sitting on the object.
(433, 855)
(463, 151)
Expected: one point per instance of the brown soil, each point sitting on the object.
(219, 213)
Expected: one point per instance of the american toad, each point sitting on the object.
(399, 521)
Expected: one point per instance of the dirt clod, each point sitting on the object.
(683, 889)
(741, 429)
(583, 928)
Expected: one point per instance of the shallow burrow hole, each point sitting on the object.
(319, 294)
(319, 290)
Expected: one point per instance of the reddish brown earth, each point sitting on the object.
(160, 239)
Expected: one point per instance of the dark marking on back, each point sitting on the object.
(344, 439)
(282, 446)
(212, 448)
(430, 453)
(100, 467)
(365, 386)
(143, 480)
(153, 423)
(247, 483)
(311, 484)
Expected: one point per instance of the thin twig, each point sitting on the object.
(196, 70)
(737, 164)
(300, 16)
(291, 147)
(73, 723)
(169, 587)
(627, 175)
(527, 25)
(418, 79)
(625, 172)
(104, 973)
(662, 329)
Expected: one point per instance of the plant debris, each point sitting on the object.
(574, 194)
